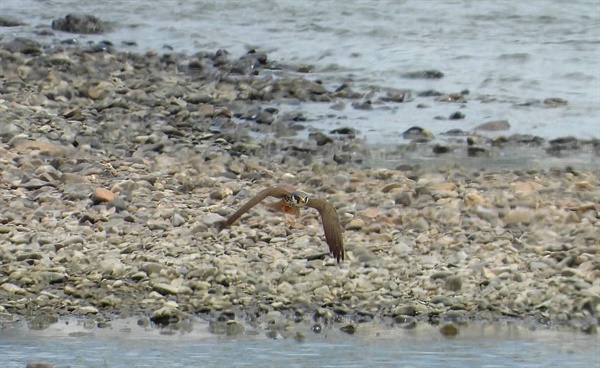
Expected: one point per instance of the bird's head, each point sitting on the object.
(296, 199)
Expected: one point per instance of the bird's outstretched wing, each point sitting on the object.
(269, 192)
(331, 226)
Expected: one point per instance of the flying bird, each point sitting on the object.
(291, 203)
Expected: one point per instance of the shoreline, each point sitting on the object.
(275, 328)
(162, 139)
(213, 344)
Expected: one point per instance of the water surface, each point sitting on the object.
(125, 344)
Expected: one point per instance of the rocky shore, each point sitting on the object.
(115, 168)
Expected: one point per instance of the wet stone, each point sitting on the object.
(166, 289)
(424, 74)
(449, 330)
(457, 116)
(494, 126)
(80, 23)
(320, 138)
(440, 148)
(348, 329)
(234, 328)
(41, 322)
(23, 45)
(39, 365)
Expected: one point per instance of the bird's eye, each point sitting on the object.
(297, 199)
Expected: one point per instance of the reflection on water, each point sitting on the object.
(123, 343)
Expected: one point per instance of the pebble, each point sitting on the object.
(453, 283)
(87, 310)
(166, 288)
(12, 288)
(101, 195)
(221, 193)
(355, 224)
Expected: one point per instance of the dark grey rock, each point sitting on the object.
(404, 199)
(455, 132)
(456, 116)
(23, 45)
(365, 105)
(424, 74)
(441, 148)
(80, 23)
(342, 158)
(477, 151)
(417, 133)
(347, 131)
(349, 329)
(430, 93)
(10, 22)
(405, 322)
(555, 101)
(265, 117)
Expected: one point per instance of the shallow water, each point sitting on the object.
(513, 52)
(125, 344)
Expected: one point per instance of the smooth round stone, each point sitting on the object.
(87, 310)
(355, 224)
(449, 330)
(12, 288)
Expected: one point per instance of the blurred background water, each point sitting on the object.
(125, 344)
(509, 52)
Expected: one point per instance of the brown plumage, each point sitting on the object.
(291, 202)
